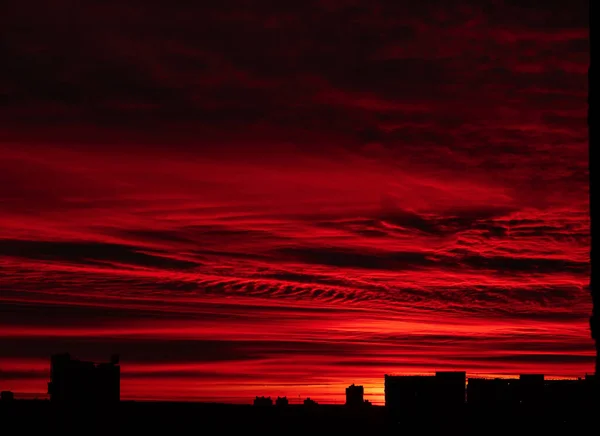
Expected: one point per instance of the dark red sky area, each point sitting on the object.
(284, 198)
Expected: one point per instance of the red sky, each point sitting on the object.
(283, 199)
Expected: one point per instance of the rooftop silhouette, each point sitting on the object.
(7, 396)
(355, 395)
(263, 401)
(75, 381)
(281, 401)
(309, 402)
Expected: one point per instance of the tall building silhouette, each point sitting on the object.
(79, 382)
(355, 395)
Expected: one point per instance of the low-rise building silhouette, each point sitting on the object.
(281, 401)
(309, 402)
(79, 382)
(446, 391)
(263, 401)
(7, 396)
(407, 391)
(529, 390)
(564, 394)
(355, 395)
(417, 391)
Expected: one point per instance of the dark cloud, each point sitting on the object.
(84, 310)
(89, 252)
(356, 259)
(86, 313)
(523, 265)
(196, 374)
(240, 66)
(397, 261)
(155, 350)
(543, 357)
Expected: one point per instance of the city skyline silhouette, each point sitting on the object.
(84, 396)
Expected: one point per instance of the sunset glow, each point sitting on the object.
(290, 197)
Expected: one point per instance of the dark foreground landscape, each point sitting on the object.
(132, 418)
(84, 399)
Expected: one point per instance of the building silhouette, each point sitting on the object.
(77, 382)
(567, 393)
(263, 401)
(531, 389)
(7, 396)
(355, 395)
(281, 401)
(492, 392)
(309, 402)
(450, 388)
(408, 391)
(445, 388)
